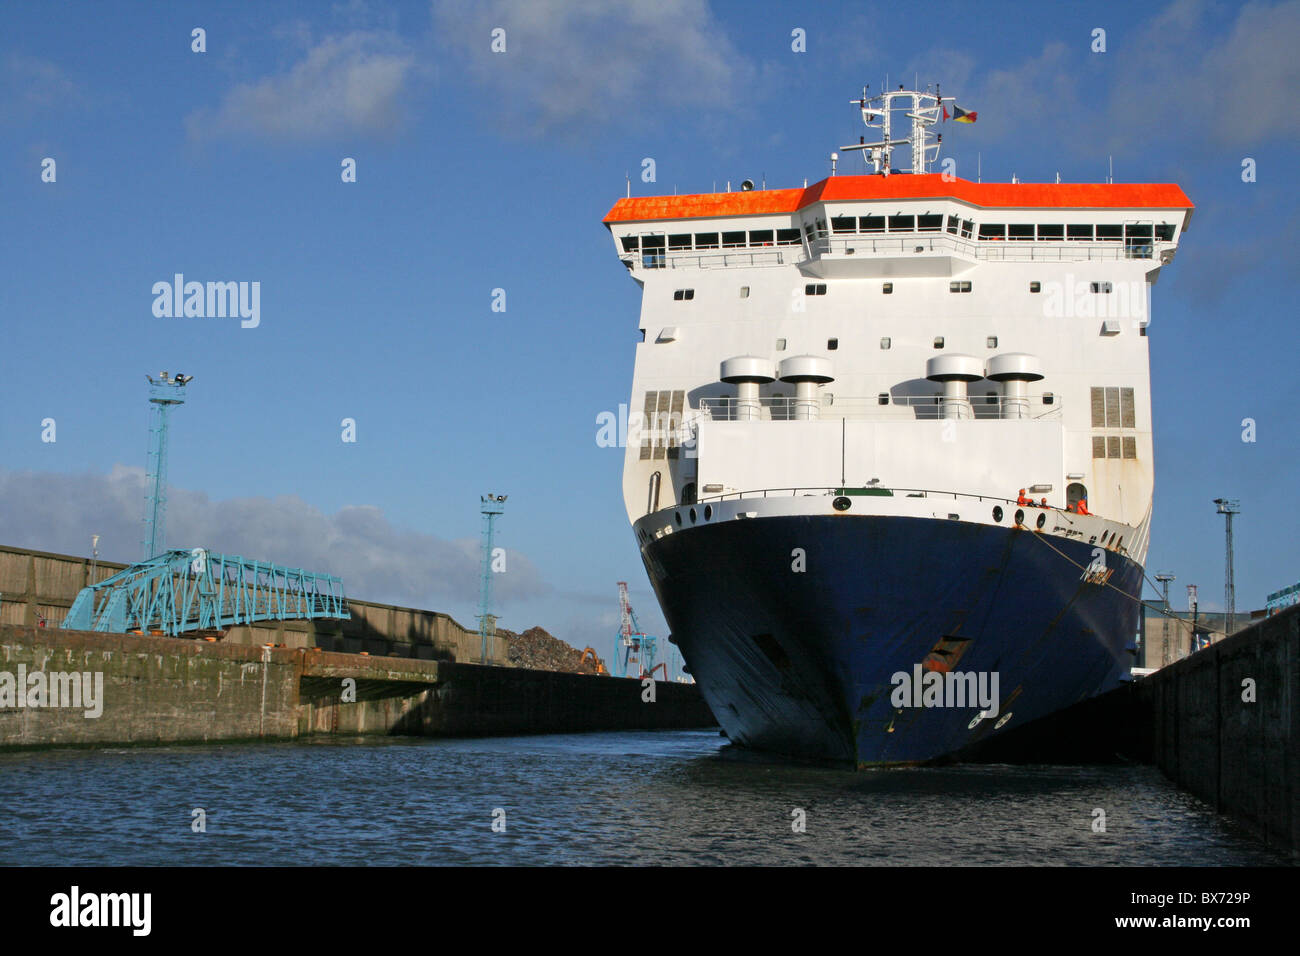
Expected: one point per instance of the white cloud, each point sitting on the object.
(378, 562)
(31, 86)
(572, 64)
(354, 83)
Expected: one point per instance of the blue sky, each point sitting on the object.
(479, 171)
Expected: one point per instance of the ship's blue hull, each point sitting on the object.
(800, 662)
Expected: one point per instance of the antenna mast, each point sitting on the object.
(924, 109)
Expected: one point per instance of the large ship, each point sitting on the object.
(889, 462)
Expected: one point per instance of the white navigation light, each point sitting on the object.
(747, 372)
(955, 371)
(806, 372)
(1013, 370)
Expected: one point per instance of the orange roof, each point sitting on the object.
(904, 186)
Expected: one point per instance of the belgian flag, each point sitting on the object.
(959, 115)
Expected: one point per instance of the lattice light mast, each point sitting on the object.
(1164, 577)
(165, 393)
(1228, 507)
(491, 506)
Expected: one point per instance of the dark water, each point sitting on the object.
(676, 797)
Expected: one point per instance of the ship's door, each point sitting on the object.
(1074, 493)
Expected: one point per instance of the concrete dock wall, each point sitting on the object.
(36, 585)
(1223, 724)
(172, 690)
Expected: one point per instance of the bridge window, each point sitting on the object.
(872, 223)
(992, 231)
(681, 241)
(706, 240)
(652, 252)
(1165, 232)
(787, 237)
(1056, 231)
(1020, 231)
(967, 226)
(844, 224)
(760, 237)
(953, 223)
(1109, 233)
(1079, 231)
(929, 223)
(631, 243)
(733, 240)
(902, 223)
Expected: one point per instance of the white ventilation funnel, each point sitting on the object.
(806, 372)
(955, 372)
(1014, 370)
(747, 372)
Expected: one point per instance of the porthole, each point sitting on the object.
(678, 516)
(1042, 520)
(692, 516)
(708, 512)
(997, 513)
(1002, 720)
(841, 503)
(1020, 516)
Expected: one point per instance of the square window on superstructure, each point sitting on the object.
(938, 341)
(744, 292)
(882, 398)
(677, 295)
(733, 240)
(690, 294)
(953, 223)
(963, 286)
(680, 241)
(631, 243)
(1051, 231)
(991, 342)
(1079, 231)
(1035, 287)
(844, 224)
(1109, 233)
(929, 223)
(1103, 287)
(761, 237)
(887, 288)
(787, 237)
(780, 345)
(990, 230)
(1020, 231)
(706, 240)
(884, 341)
(871, 223)
(815, 289)
(902, 224)
(832, 344)
(1138, 230)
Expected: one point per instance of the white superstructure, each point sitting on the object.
(915, 332)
